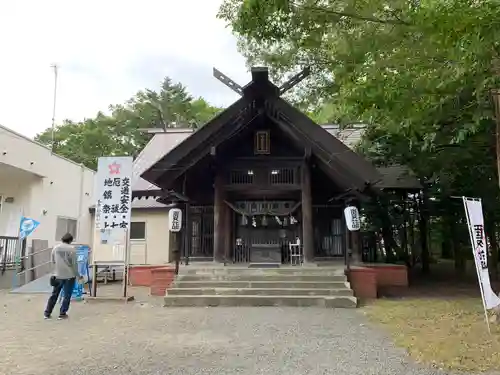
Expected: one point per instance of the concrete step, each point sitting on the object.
(296, 301)
(262, 277)
(260, 284)
(259, 271)
(260, 291)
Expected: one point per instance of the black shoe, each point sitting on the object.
(46, 317)
(62, 317)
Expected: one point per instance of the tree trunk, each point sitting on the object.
(492, 239)
(496, 104)
(423, 225)
(381, 209)
(458, 255)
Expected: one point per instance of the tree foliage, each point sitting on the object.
(119, 132)
(418, 73)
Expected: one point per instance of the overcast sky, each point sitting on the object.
(107, 50)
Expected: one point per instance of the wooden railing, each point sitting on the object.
(265, 177)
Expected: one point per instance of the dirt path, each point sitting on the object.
(145, 338)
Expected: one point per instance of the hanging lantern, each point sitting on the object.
(244, 220)
(352, 219)
(264, 221)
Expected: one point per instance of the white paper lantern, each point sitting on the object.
(175, 220)
(352, 218)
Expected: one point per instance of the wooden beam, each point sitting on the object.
(218, 219)
(307, 217)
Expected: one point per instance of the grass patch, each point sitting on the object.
(448, 334)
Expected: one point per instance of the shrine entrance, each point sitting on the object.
(264, 230)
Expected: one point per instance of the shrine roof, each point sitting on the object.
(261, 97)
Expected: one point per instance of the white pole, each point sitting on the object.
(55, 67)
(475, 263)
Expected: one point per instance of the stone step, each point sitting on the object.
(260, 291)
(189, 270)
(261, 284)
(262, 277)
(296, 301)
(254, 271)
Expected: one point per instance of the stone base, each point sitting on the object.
(259, 300)
(265, 254)
(241, 286)
(264, 265)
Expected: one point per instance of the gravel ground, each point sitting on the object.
(108, 338)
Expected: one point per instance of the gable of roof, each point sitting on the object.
(202, 138)
(392, 177)
(260, 95)
(343, 162)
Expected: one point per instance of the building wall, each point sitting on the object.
(44, 186)
(154, 248)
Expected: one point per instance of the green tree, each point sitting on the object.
(418, 73)
(119, 132)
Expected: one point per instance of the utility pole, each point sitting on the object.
(55, 67)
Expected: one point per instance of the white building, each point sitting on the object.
(43, 186)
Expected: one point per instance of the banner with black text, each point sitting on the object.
(475, 221)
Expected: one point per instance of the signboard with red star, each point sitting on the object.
(114, 193)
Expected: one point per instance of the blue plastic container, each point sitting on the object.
(82, 257)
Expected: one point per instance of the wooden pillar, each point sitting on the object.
(218, 219)
(307, 217)
(188, 234)
(356, 248)
(228, 224)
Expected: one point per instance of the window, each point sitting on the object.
(282, 176)
(241, 177)
(262, 143)
(138, 230)
(65, 225)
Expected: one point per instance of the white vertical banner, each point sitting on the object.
(114, 192)
(475, 220)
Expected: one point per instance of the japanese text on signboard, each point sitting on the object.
(114, 189)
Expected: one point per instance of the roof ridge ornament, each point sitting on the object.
(260, 74)
(228, 81)
(295, 80)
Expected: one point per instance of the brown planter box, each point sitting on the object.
(367, 279)
(141, 275)
(363, 282)
(391, 275)
(161, 278)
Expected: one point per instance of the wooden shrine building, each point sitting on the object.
(259, 176)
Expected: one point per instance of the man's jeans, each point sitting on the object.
(66, 285)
